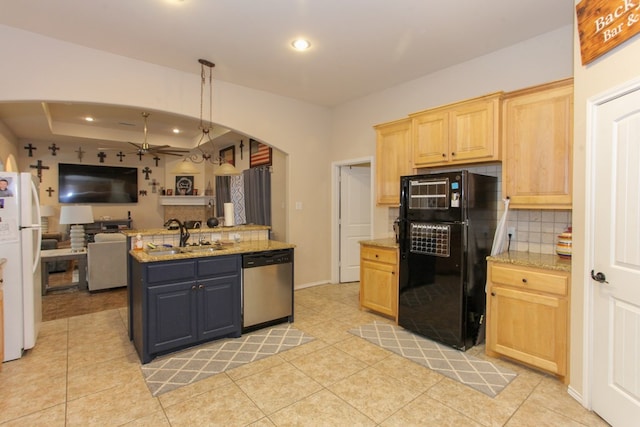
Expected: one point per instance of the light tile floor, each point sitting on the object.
(84, 372)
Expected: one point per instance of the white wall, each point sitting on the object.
(613, 69)
(39, 68)
(538, 60)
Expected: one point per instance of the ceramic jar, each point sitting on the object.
(564, 244)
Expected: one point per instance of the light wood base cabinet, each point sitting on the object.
(528, 316)
(379, 279)
(393, 159)
(537, 146)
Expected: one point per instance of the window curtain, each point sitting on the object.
(257, 193)
(223, 194)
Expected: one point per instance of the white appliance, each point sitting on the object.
(20, 237)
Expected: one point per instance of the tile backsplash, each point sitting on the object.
(536, 230)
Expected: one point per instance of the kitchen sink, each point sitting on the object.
(200, 249)
(163, 251)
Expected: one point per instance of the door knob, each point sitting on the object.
(599, 277)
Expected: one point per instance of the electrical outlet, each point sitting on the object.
(511, 231)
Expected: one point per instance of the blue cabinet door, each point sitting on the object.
(172, 321)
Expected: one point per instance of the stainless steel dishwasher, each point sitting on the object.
(267, 288)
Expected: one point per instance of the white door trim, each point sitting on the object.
(593, 104)
(335, 209)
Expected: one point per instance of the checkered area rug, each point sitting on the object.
(178, 369)
(479, 374)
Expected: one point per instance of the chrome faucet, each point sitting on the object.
(184, 233)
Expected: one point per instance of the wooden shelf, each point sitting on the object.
(185, 200)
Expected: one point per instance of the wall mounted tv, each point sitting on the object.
(97, 184)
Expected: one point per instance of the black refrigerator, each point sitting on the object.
(446, 227)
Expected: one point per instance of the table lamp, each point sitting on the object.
(45, 212)
(76, 215)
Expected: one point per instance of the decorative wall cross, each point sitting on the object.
(140, 154)
(153, 185)
(121, 155)
(146, 171)
(241, 147)
(53, 147)
(50, 190)
(102, 156)
(30, 148)
(157, 159)
(80, 153)
(39, 166)
(142, 192)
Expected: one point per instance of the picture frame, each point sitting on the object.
(259, 154)
(184, 185)
(228, 155)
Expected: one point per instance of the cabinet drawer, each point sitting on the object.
(379, 254)
(219, 266)
(530, 278)
(171, 271)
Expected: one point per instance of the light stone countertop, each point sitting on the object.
(388, 242)
(231, 249)
(527, 259)
(160, 231)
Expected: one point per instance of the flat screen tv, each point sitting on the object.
(97, 184)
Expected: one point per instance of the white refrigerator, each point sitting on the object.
(20, 237)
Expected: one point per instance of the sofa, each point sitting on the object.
(107, 261)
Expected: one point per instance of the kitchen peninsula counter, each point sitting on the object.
(527, 259)
(201, 252)
(161, 231)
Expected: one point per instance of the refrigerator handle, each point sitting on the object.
(36, 198)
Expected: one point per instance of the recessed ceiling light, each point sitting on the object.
(176, 130)
(89, 119)
(301, 44)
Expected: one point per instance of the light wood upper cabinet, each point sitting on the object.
(528, 316)
(464, 132)
(393, 159)
(537, 146)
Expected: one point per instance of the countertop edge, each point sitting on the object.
(237, 248)
(387, 242)
(533, 260)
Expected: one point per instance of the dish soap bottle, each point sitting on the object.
(138, 243)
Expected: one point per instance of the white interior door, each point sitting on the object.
(616, 251)
(355, 218)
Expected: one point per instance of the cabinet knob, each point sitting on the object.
(200, 286)
(453, 154)
(444, 155)
(524, 280)
(193, 288)
(376, 255)
(493, 294)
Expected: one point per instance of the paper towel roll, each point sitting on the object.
(228, 214)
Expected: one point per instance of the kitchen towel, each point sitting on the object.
(237, 198)
(229, 218)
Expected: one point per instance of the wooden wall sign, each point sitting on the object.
(605, 24)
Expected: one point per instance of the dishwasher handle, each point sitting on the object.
(262, 259)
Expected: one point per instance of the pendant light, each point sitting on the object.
(200, 153)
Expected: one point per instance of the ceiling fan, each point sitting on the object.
(145, 148)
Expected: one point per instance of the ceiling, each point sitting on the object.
(358, 47)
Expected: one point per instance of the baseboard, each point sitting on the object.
(577, 396)
(311, 284)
